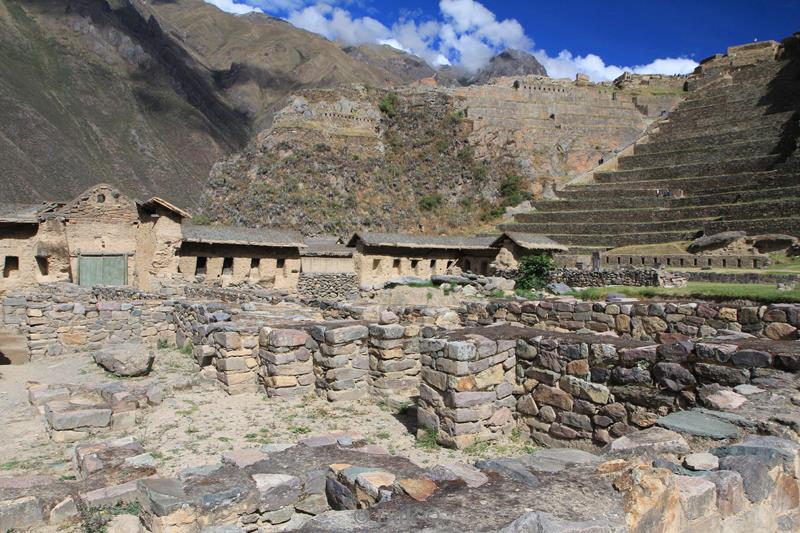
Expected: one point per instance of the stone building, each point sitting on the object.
(234, 254)
(379, 257)
(102, 237)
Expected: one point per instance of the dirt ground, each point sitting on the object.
(193, 427)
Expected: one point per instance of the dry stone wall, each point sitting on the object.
(328, 285)
(578, 390)
(56, 322)
(641, 320)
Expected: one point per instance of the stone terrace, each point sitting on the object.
(724, 159)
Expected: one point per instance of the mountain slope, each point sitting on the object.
(92, 93)
(145, 95)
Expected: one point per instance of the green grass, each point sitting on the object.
(761, 293)
(527, 294)
(428, 440)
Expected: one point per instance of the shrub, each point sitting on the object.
(534, 271)
(429, 202)
(388, 105)
(511, 191)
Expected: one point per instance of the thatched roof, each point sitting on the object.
(24, 213)
(439, 242)
(530, 241)
(274, 238)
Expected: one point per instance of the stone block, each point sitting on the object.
(544, 394)
(289, 338)
(460, 351)
(277, 490)
(20, 513)
(346, 334)
(697, 495)
(65, 416)
(387, 332)
(730, 491)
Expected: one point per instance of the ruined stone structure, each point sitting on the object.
(556, 128)
(723, 159)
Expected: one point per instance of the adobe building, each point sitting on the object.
(379, 257)
(102, 237)
(326, 254)
(231, 254)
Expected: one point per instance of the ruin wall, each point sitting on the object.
(574, 390)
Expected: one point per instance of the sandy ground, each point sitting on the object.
(194, 426)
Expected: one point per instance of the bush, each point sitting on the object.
(534, 271)
(388, 105)
(430, 202)
(511, 191)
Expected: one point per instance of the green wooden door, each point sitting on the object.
(102, 270)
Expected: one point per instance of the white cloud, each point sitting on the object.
(466, 34)
(232, 6)
(337, 24)
(566, 65)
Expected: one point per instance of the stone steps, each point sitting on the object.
(732, 166)
(722, 160)
(787, 224)
(605, 227)
(717, 153)
(741, 88)
(612, 240)
(675, 131)
(652, 200)
(694, 184)
(643, 214)
(700, 142)
(724, 123)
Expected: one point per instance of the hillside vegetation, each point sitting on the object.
(426, 179)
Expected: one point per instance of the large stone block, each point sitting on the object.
(65, 416)
(346, 334)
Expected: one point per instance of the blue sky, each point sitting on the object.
(600, 38)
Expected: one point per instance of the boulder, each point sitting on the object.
(559, 288)
(772, 242)
(712, 242)
(126, 362)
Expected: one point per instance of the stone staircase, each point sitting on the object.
(725, 159)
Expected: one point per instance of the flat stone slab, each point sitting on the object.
(558, 459)
(657, 439)
(698, 424)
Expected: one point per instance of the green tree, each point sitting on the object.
(534, 271)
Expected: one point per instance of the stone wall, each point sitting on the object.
(684, 261)
(70, 320)
(582, 389)
(327, 285)
(633, 277)
(641, 320)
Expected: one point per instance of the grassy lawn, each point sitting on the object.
(700, 290)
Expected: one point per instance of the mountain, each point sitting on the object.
(509, 62)
(92, 93)
(146, 95)
(399, 67)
